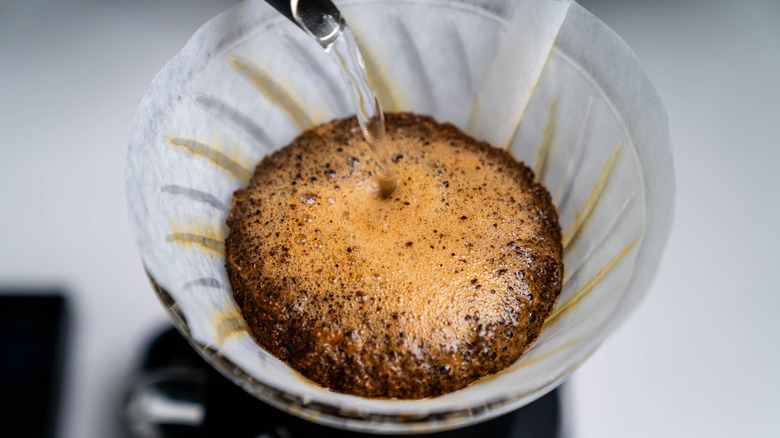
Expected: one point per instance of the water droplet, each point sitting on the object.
(353, 162)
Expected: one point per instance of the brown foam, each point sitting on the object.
(413, 296)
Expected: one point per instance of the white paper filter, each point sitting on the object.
(542, 77)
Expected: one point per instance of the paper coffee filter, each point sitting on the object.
(543, 78)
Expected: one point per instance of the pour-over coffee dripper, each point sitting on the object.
(543, 78)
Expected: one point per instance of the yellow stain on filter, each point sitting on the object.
(583, 217)
(215, 156)
(275, 92)
(228, 323)
(204, 237)
(577, 298)
(549, 353)
(519, 123)
(542, 161)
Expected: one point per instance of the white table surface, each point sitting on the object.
(699, 357)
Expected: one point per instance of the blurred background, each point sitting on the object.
(698, 358)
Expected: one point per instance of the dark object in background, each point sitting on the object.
(200, 402)
(32, 347)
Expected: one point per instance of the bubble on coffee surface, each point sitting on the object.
(445, 281)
